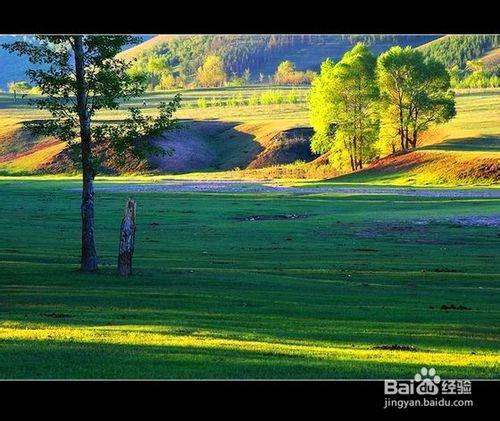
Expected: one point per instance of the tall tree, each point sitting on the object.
(79, 76)
(415, 94)
(343, 108)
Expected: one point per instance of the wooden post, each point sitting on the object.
(127, 238)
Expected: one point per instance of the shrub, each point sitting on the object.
(232, 101)
(253, 100)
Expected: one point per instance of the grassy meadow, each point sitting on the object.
(224, 286)
(216, 294)
(455, 153)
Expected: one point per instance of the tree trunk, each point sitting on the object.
(89, 255)
(414, 141)
(415, 130)
(401, 126)
(127, 239)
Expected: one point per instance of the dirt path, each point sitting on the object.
(267, 187)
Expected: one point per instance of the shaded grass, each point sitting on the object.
(217, 297)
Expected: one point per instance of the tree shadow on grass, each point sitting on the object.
(470, 144)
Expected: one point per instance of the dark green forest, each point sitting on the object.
(457, 50)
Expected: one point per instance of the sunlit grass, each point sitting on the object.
(455, 153)
(145, 336)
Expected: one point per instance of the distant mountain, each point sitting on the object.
(13, 67)
(260, 53)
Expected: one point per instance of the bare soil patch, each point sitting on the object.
(276, 217)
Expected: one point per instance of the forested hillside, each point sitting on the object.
(260, 54)
(456, 50)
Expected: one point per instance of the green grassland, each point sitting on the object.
(215, 295)
(227, 285)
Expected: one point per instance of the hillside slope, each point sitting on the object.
(465, 151)
(260, 53)
(456, 50)
(491, 59)
(271, 142)
(223, 146)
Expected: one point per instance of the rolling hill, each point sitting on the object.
(491, 59)
(267, 142)
(272, 141)
(260, 53)
(456, 50)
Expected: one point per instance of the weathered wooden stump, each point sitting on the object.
(127, 239)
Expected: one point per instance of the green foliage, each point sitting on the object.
(211, 73)
(353, 124)
(202, 102)
(236, 100)
(246, 76)
(292, 97)
(250, 98)
(322, 109)
(128, 136)
(215, 102)
(415, 95)
(343, 108)
(286, 74)
(232, 101)
(475, 76)
(236, 81)
(272, 96)
(155, 73)
(254, 99)
(19, 87)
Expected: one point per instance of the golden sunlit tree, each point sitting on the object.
(211, 73)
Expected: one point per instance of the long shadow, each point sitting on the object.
(473, 144)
